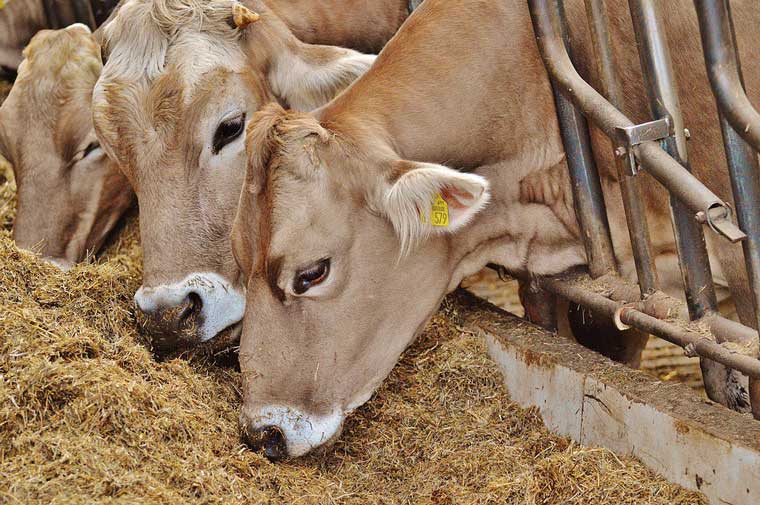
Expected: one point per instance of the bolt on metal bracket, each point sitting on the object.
(636, 134)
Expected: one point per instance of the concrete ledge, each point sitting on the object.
(580, 394)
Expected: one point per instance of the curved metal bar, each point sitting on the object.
(687, 188)
(724, 71)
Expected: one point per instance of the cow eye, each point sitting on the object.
(311, 276)
(92, 146)
(228, 131)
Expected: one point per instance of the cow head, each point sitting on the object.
(182, 81)
(70, 195)
(347, 253)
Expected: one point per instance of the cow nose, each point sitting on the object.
(268, 439)
(170, 327)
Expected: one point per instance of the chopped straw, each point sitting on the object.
(87, 415)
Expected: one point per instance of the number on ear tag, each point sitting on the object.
(439, 213)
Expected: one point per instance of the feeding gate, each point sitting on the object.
(659, 147)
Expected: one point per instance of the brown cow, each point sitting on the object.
(70, 195)
(351, 229)
(181, 81)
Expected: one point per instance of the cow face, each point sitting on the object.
(347, 253)
(70, 195)
(171, 106)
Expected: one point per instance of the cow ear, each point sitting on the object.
(312, 75)
(423, 198)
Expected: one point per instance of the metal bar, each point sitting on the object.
(676, 334)
(633, 203)
(663, 99)
(690, 241)
(724, 67)
(724, 71)
(650, 155)
(588, 199)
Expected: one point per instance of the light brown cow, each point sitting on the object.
(181, 81)
(353, 222)
(70, 195)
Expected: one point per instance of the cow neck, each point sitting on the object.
(422, 104)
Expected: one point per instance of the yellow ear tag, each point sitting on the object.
(439, 213)
(2, 4)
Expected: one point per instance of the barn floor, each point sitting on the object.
(86, 414)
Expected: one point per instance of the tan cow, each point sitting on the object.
(181, 81)
(70, 195)
(357, 219)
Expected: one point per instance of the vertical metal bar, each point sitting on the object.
(663, 98)
(716, 22)
(690, 241)
(633, 203)
(587, 189)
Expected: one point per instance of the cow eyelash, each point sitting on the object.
(228, 131)
(90, 148)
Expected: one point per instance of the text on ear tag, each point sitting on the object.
(439, 212)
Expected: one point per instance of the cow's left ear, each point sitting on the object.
(312, 75)
(424, 198)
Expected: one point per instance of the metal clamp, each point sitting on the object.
(634, 135)
(718, 218)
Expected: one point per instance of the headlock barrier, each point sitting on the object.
(659, 147)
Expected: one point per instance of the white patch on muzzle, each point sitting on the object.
(302, 432)
(223, 305)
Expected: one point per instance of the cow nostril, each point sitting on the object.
(270, 439)
(193, 306)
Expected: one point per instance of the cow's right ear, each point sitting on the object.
(308, 76)
(421, 199)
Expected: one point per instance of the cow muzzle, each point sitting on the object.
(282, 432)
(191, 312)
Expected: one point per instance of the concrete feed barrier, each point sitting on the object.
(689, 440)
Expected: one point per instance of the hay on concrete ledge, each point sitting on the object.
(86, 415)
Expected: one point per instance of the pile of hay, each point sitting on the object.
(86, 414)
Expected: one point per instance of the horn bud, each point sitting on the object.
(242, 16)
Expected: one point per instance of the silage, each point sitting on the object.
(87, 415)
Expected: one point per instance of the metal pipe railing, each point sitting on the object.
(588, 199)
(661, 88)
(633, 203)
(736, 114)
(724, 71)
(687, 188)
(690, 198)
(576, 290)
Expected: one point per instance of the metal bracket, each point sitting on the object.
(636, 134)
(718, 217)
